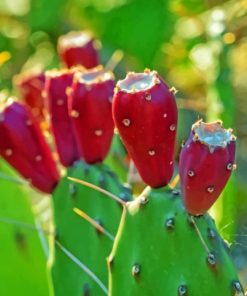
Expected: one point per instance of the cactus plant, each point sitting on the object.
(157, 251)
(150, 250)
(83, 240)
(32, 158)
(158, 242)
(90, 107)
(20, 247)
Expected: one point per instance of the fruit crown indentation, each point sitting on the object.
(74, 39)
(93, 76)
(135, 82)
(212, 134)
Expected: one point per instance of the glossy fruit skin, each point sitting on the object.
(93, 121)
(30, 89)
(56, 88)
(204, 174)
(149, 133)
(85, 55)
(23, 146)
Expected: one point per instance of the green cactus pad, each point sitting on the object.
(23, 261)
(160, 250)
(79, 236)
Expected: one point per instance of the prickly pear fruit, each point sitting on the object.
(90, 109)
(145, 113)
(206, 162)
(78, 48)
(56, 86)
(30, 87)
(23, 146)
(157, 245)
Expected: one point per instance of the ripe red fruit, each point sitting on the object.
(23, 146)
(56, 88)
(90, 109)
(30, 87)
(206, 163)
(145, 113)
(78, 48)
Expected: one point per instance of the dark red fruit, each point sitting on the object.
(23, 146)
(56, 88)
(30, 87)
(90, 109)
(206, 162)
(78, 48)
(145, 113)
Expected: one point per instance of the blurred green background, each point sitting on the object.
(200, 47)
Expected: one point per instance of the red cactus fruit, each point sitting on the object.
(145, 113)
(206, 163)
(23, 146)
(56, 86)
(30, 87)
(78, 48)
(90, 109)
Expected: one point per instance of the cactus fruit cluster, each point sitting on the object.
(162, 242)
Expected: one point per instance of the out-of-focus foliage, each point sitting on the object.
(23, 261)
(199, 46)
